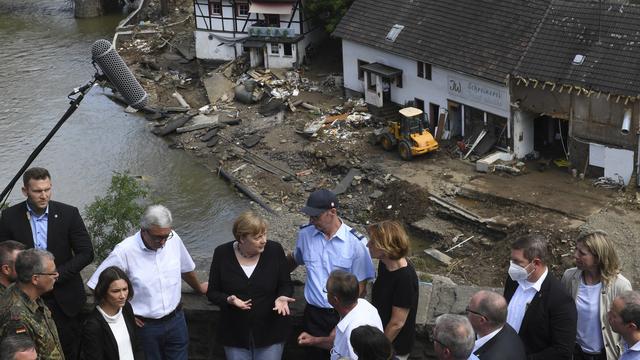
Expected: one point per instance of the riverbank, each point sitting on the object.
(276, 153)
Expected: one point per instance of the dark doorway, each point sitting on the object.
(272, 20)
(550, 137)
(434, 111)
(386, 91)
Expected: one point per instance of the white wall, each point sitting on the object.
(523, 135)
(281, 61)
(211, 49)
(435, 91)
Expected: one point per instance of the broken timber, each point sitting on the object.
(497, 223)
(243, 189)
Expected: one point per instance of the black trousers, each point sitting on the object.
(69, 329)
(578, 354)
(318, 322)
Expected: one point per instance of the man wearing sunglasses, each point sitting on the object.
(496, 340)
(156, 261)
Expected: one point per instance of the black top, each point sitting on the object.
(269, 280)
(98, 342)
(397, 288)
(548, 328)
(68, 241)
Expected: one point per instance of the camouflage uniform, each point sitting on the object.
(2, 289)
(18, 314)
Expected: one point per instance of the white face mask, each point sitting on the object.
(517, 272)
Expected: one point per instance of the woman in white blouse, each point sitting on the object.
(110, 330)
(593, 284)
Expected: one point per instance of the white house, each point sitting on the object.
(276, 34)
(554, 77)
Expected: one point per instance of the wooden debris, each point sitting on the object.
(439, 256)
(181, 100)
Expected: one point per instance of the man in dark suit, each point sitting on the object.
(58, 228)
(496, 340)
(539, 309)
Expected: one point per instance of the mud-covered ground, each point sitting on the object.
(284, 166)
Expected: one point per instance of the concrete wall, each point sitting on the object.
(445, 84)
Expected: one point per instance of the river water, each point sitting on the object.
(46, 53)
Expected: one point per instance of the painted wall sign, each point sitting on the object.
(476, 91)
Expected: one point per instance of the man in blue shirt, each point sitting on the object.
(324, 245)
(624, 317)
(49, 225)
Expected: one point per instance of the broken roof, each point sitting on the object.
(607, 35)
(493, 39)
(469, 36)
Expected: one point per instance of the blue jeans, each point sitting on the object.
(166, 340)
(271, 352)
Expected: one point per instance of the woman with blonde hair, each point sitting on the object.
(395, 290)
(249, 279)
(594, 283)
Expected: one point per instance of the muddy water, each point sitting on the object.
(45, 53)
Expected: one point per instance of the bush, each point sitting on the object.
(112, 218)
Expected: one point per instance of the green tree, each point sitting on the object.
(328, 12)
(111, 218)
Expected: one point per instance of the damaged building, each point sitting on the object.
(542, 78)
(273, 34)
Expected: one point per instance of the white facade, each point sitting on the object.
(444, 87)
(279, 33)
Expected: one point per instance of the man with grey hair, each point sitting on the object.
(24, 311)
(9, 250)
(453, 338)
(18, 347)
(155, 259)
(496, 340)
(624, 317)
(343, 290)
(539, 309)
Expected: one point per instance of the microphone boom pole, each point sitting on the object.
(75, 103)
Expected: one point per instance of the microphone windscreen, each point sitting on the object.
(118, 73)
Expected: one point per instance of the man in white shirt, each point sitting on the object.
(342, 293)
(496, 340)
(624, 317)
(453, 338)
(155, 259)
(540, 310)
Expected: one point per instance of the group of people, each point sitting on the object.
(590, 314)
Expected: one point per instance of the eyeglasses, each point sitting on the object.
(55, 273)
(467, 310)
(159, 238)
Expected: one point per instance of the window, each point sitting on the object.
(424, 70)
(399, 80)
(275, 49)
(394, 32)
(272, 20)
(215, 7)
(288, 49)
(242, 9)
(360, 71)
(372, 81)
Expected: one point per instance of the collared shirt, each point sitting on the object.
(521, 299)
(631, 353)
(156, 275)
(483, 340)
(39, 227)
(21, 315)
(343, 251)
(362, 314)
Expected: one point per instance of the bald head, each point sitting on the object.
(487, 311)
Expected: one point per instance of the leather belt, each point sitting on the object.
(164, 318)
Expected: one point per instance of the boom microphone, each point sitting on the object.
(118, 73)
